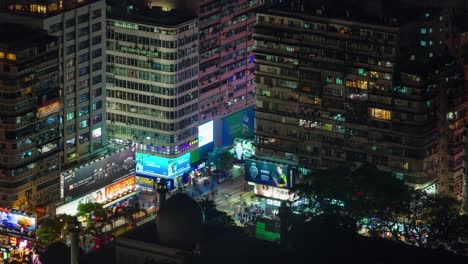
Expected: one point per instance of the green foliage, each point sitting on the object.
(49, 232)
(222, 159)
(90, 210)
(368, 193)
(53, 230)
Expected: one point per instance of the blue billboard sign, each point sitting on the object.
(238, 125)
(151, 165)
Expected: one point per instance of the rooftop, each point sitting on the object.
(43, 8)
(154, 16)
(16, 36)
(377, 12)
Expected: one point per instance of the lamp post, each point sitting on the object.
(74, 228)
(161, 189)
(283, 214)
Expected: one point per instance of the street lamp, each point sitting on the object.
(161, 189)
(74, 228)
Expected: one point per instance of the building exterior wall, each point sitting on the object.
(153, 85)
(226, 57)
(342, 93)
(29, 124)
(80, 27)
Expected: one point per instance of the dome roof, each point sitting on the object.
(180, 221)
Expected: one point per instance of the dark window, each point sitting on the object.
(71, 22)
(97, 40)
(96, 26)
(97, 53)
(83, 58)
(97, 79)
(83, 31)
(83, 44)
(55, 27)
(83, 18)
(96, 13)
(97, 66)
(70, 49)
(70, 36)
(83, 71)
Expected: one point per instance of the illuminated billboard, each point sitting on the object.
(97, 174)
(120, 187)
(274, 193)
(17, 223)
(102, 195)
(151, 165)
(238, 125)
(205, 133)
(71, 208)
(268, 173)
(242, 149)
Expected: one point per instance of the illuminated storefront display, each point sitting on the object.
(151, 165)
(274, 193)
(205, 133)
(267, 173)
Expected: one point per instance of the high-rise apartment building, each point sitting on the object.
(152, 78)
(348, 87)
(80, 28)
(29, 117)
(226, 56)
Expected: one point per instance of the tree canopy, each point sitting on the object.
(375, 198)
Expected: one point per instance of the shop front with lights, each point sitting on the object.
(17, 235)
(15, 248)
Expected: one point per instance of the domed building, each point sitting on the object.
(172, 238)
(180, 222)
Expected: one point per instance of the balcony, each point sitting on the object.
(49, 108)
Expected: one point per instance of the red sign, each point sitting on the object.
(120, 187)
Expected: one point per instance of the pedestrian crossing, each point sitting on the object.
(231, 196)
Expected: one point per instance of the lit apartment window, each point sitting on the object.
(406, 165)
(70, 116)
(70, 63)
(11, 56)
(2, 55)
(381, 114)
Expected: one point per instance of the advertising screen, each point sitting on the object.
(101, 195)
(98, 174)
(238, 125)
(159, 166)
(119, 187)
(72, 207)
(17, 223)
(205, 133)
(273, 193)
(242, 149)
(267, 173)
